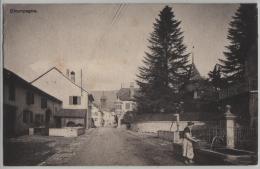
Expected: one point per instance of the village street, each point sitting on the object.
(111, 146)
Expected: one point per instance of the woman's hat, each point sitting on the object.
(190, 123)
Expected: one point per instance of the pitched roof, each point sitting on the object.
(195, 74)
(11, 76)
(110, 98)
(124, 94)
(56, 69)
(73, 113)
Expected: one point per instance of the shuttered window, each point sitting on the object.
(74, 100)
(127, 106)
(28, 117)
(43, 102)
(29, 98)
(11, 91)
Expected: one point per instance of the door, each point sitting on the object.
(58, 122)
(9, 118)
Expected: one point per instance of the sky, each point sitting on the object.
(106, 41)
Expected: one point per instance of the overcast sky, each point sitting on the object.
(107, 47)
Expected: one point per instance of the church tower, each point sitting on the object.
(103, 101)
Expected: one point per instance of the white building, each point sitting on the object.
(109, 118)
(76, 107)
(97, 116)
(125, 102)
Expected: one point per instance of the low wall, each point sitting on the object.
(166, 135)
(155, 126)
(66, 131)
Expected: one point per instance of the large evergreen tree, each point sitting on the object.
(164, 67)
(242, 35)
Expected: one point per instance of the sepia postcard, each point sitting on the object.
(130, 84)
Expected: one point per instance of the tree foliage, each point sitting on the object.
(165, 65)
(215, 78)
(242, 35)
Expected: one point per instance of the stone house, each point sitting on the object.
(77, 101)
(25, 105)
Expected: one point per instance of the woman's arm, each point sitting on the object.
(188, 136)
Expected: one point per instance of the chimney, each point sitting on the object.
(72, 76)
(132, 92)
(68, 73)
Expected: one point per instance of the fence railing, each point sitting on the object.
(208, 134)
(245, 135)
(242, 135)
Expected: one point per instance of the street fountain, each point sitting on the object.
(225, 154)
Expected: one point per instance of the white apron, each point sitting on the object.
(187, 148)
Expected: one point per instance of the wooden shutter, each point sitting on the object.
(70, 100)
(79, 100)
(31, 117)
(32, 97)
(27, 98)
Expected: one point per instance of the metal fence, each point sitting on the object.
(209, 133)
(244, 137)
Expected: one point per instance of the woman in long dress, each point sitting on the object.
(187, 147)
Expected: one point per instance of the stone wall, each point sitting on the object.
(155, 126)
(67, 131)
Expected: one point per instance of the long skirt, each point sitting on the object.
(187, 149)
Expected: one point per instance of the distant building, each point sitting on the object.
(97, 116)
(77, 102)
(125, 101)
(103, 102)
(110, 98)
(26, 106)
(108, 118)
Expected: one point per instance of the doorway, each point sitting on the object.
(9, 118)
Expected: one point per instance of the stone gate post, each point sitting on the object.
(176, 133)
(229, 127)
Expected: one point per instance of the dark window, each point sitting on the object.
(74, 100)
(47, 116)
(43, 102)
(28, 117)
(11, 92)
(29, 98)
(39, 119)
(127, 106)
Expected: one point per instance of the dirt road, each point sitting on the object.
(110, 146)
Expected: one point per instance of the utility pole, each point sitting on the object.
(81, 82)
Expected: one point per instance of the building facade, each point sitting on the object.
(76, 100)
(97, 116)
(109, 118)
(26, 106)
(125, 102)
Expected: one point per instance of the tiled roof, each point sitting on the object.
(124, 94)
(10, 76)
(73, 113)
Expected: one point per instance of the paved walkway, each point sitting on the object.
(111, 146)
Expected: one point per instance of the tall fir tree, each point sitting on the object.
(165, 65)
(242, 35)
